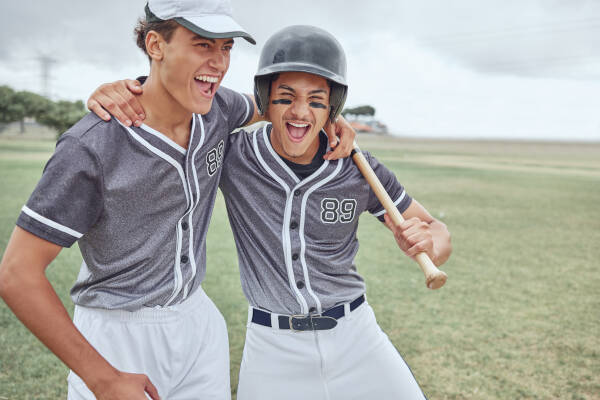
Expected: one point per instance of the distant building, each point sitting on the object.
(366, 124)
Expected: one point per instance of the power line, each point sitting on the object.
(46, 63)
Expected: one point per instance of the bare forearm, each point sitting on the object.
(34, 301)
(441, 241)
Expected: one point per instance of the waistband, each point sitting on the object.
(305, 322)
(149, 314)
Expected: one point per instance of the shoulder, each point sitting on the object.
(225, 98)
(94, 134)
(242, 139)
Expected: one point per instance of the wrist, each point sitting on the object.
(99, 378)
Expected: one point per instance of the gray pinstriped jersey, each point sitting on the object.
(137, 203)
(296, 239)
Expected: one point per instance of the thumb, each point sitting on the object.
(151, 390)
(389, 223)
(133, 86)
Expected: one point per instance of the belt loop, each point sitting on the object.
(250, 311)
(347, 313)
(274, 321)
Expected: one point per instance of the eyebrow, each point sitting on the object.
(198, 37)
(286, 87)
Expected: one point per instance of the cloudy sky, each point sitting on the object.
(527, 69)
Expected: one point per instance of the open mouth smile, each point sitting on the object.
(207, 84)
(297, 130)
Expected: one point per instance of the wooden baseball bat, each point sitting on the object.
(434, 278)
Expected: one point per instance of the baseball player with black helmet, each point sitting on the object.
(311, 333)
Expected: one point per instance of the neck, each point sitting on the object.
(164, 113)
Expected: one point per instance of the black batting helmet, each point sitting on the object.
(303, 48)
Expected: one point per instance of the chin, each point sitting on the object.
(201, 107)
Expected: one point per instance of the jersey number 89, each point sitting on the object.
(214, 159)
(334, 210)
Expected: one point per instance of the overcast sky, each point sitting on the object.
(431, 68)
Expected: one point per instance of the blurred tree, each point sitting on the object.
(10, 110)
(360, 110)
(61, 115)
(33, 104)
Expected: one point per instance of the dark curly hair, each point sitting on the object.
(164, 28)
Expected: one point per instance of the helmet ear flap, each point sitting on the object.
(337, 98)
(262, 86)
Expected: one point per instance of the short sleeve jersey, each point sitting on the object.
(296, 238)
(137, 203)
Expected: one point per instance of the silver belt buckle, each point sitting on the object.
(296, 316)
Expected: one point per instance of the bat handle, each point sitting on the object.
(434, 278)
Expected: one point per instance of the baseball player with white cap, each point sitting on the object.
(138, 201)
(311, 333)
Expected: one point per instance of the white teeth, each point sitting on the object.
(206, 78)
(298, 125)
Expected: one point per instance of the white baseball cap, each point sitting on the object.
(208, 18)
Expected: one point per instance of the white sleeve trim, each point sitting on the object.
(51, 223)
(247, 106)
(395, 203)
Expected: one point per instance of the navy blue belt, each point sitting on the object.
(326, 320)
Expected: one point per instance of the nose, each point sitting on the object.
(300, 109)
(218, 61)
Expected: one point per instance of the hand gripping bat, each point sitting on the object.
(434, 278)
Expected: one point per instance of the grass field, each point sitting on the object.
(518, 319)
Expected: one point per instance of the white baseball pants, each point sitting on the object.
(183, 349)
(353, 361)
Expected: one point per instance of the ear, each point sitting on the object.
(155, 45)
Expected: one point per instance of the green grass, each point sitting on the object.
(518, 319)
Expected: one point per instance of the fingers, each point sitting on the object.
(412, 235)
(346, 135)
(119, 101)
(97, 109)
(151, 390)
(422, 244)
(118, 107)
(132, 107)
(330, 131)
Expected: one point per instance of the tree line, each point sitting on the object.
(61, 115)
(360, 110)
(18, 105)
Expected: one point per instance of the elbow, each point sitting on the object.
(7, 279)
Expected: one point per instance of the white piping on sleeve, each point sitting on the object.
(377, 214)
(247, 106)
(50, 223)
